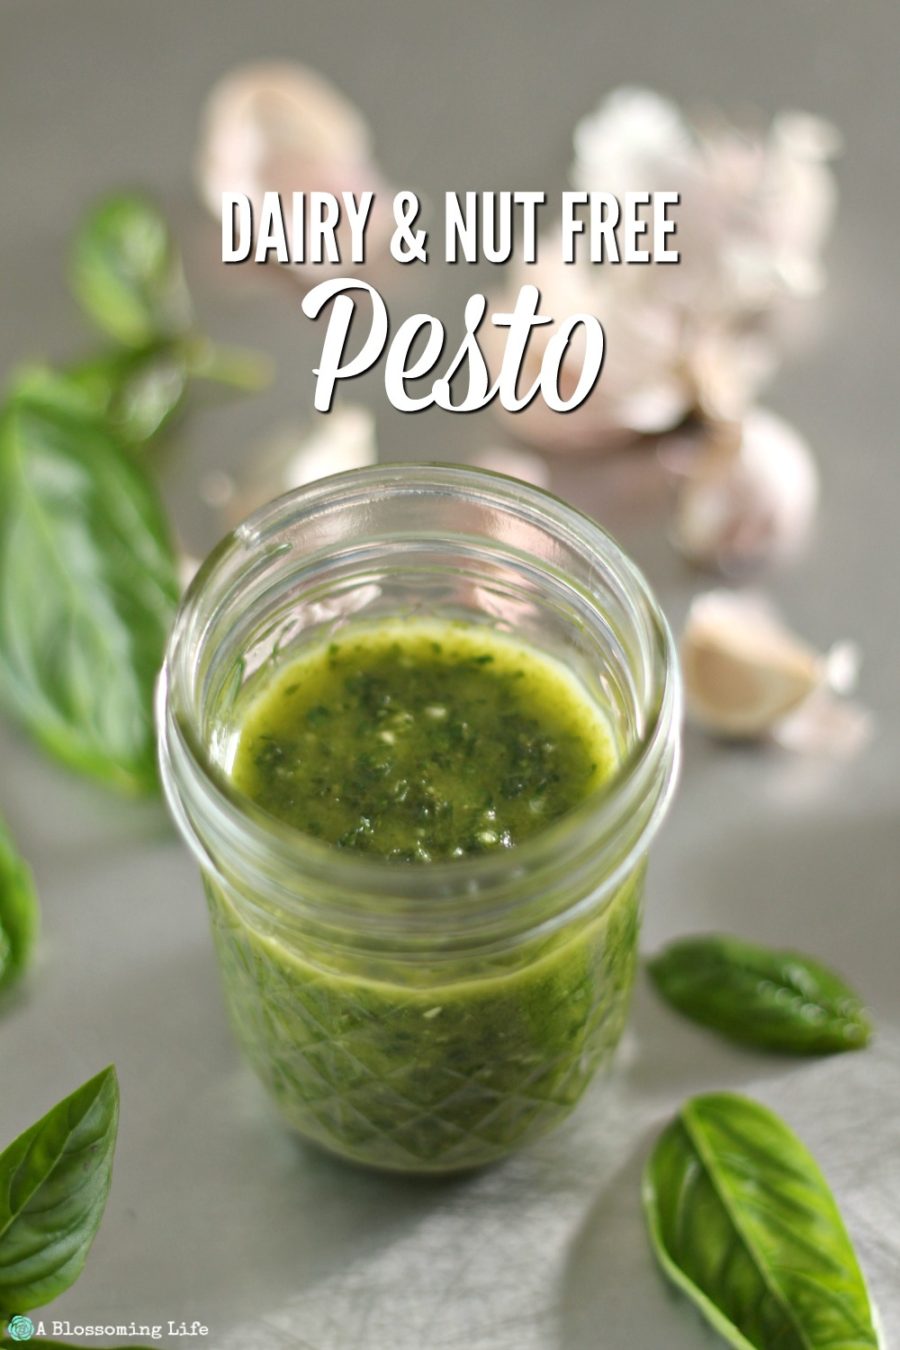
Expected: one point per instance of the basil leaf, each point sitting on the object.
(88, 584)
(137, 392)
(54, 1180)
(126, 272)
(742, 1221)
(18, 911)
(778, 1000)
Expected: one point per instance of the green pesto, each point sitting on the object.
(442, 1071)
(456, 1059)
(421, 743)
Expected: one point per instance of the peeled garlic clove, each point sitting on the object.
(743, 670)
(749, 504)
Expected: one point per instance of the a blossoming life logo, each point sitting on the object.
(20, 1329)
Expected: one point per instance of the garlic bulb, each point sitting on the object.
(699, 338)
(749, 498)
(747, 676)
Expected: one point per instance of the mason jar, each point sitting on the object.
(422, 1016)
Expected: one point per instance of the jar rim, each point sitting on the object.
(651, 764)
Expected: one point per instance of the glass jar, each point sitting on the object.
(422, 1016)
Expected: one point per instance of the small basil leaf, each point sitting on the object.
(742, 1221)
(137, 392)
(18, 911)
(126, 272)
(88, 584)
(54, 1180)
(778, 1000)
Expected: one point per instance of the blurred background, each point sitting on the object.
(214, 1213)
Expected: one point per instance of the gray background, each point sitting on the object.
(216, 1213)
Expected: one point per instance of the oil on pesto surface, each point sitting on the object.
(422, 742)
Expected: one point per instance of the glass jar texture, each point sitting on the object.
(421, 1016)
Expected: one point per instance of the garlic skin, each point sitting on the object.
(279, 127)
(749, 498)
(747, 677)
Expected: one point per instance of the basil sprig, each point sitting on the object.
(88, 584)
(88, 580)
(54, 1180)
(743, 1222)
(18, 911)
(126, 273)
(777, 1000)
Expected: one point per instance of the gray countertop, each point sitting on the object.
(216, 1214)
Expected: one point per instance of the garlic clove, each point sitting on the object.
(268, 112)
(743, 670)
(515, 463)
(294, 456)
(747, 677)
(749, 500)
(278, 126)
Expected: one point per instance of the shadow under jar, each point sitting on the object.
(421, 1016)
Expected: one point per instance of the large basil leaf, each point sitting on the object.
(127, 274)
(742, 1220)
(54, 1180)
(88, 584)
(18, 911)
(778, 1000)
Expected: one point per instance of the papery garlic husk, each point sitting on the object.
(278, 126)
(746, 676)
(749, 497)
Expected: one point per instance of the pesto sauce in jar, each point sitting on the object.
(422, 743)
